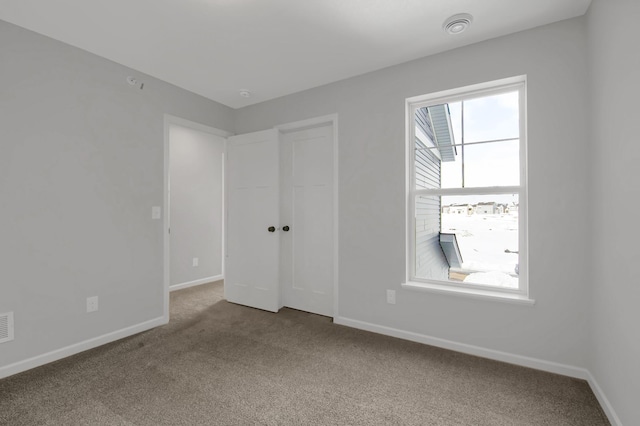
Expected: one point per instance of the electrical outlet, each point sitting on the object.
(92, 304)
(156, 212)
(196, 261)
(391, 297)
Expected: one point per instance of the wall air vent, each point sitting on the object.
(6, 327)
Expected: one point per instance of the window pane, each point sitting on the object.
(486, 230)
(451, 171)
(490, 118)
(486, 164)
(492, 164)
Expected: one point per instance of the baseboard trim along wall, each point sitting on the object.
(37, 361)
(604, 401)
(538, 364)
(196, 282)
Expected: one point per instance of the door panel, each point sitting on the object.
(252, 261)
(312, 250)
(307, 207)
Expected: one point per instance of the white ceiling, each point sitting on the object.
(272, 47)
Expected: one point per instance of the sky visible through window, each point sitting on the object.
(491, 164)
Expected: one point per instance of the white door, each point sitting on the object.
(252, 262)
(306, 206)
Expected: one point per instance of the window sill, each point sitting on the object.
(518, 299)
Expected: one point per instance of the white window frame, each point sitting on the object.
(520, 295)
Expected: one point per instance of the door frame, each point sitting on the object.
(331, 119)
(170, 120)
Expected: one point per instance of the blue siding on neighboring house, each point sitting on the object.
(430, 260)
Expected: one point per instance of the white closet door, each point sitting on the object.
(252, 260)
(307, 208)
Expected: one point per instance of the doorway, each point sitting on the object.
(194, 205)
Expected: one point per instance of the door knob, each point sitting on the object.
(285, 228)
(271, 229)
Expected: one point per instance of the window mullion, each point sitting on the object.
(462, 146)
(490, 190)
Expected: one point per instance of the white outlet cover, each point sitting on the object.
(391, 297)
(196, 261)
(92, 304)
(156, 212)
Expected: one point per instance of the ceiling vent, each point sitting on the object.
(6, 327)
(457, 23)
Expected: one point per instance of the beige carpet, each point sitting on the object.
(217, 363)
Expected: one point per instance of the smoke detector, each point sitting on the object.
(245, 93)
(457, 24)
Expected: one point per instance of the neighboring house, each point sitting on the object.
(467, 209)
(434, 144)
(488, 208)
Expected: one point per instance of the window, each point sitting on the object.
(467, 189)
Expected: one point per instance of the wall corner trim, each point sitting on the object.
(524, 361)
(46, 358)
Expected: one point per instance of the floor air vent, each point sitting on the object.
(6, 327)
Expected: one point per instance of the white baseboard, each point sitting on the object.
(524, 361)
(37, 361)
(196, 282)
(604, 401)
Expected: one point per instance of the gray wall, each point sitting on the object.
(196, 204)
(81, 165)
(615, 92)
(372, 191)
